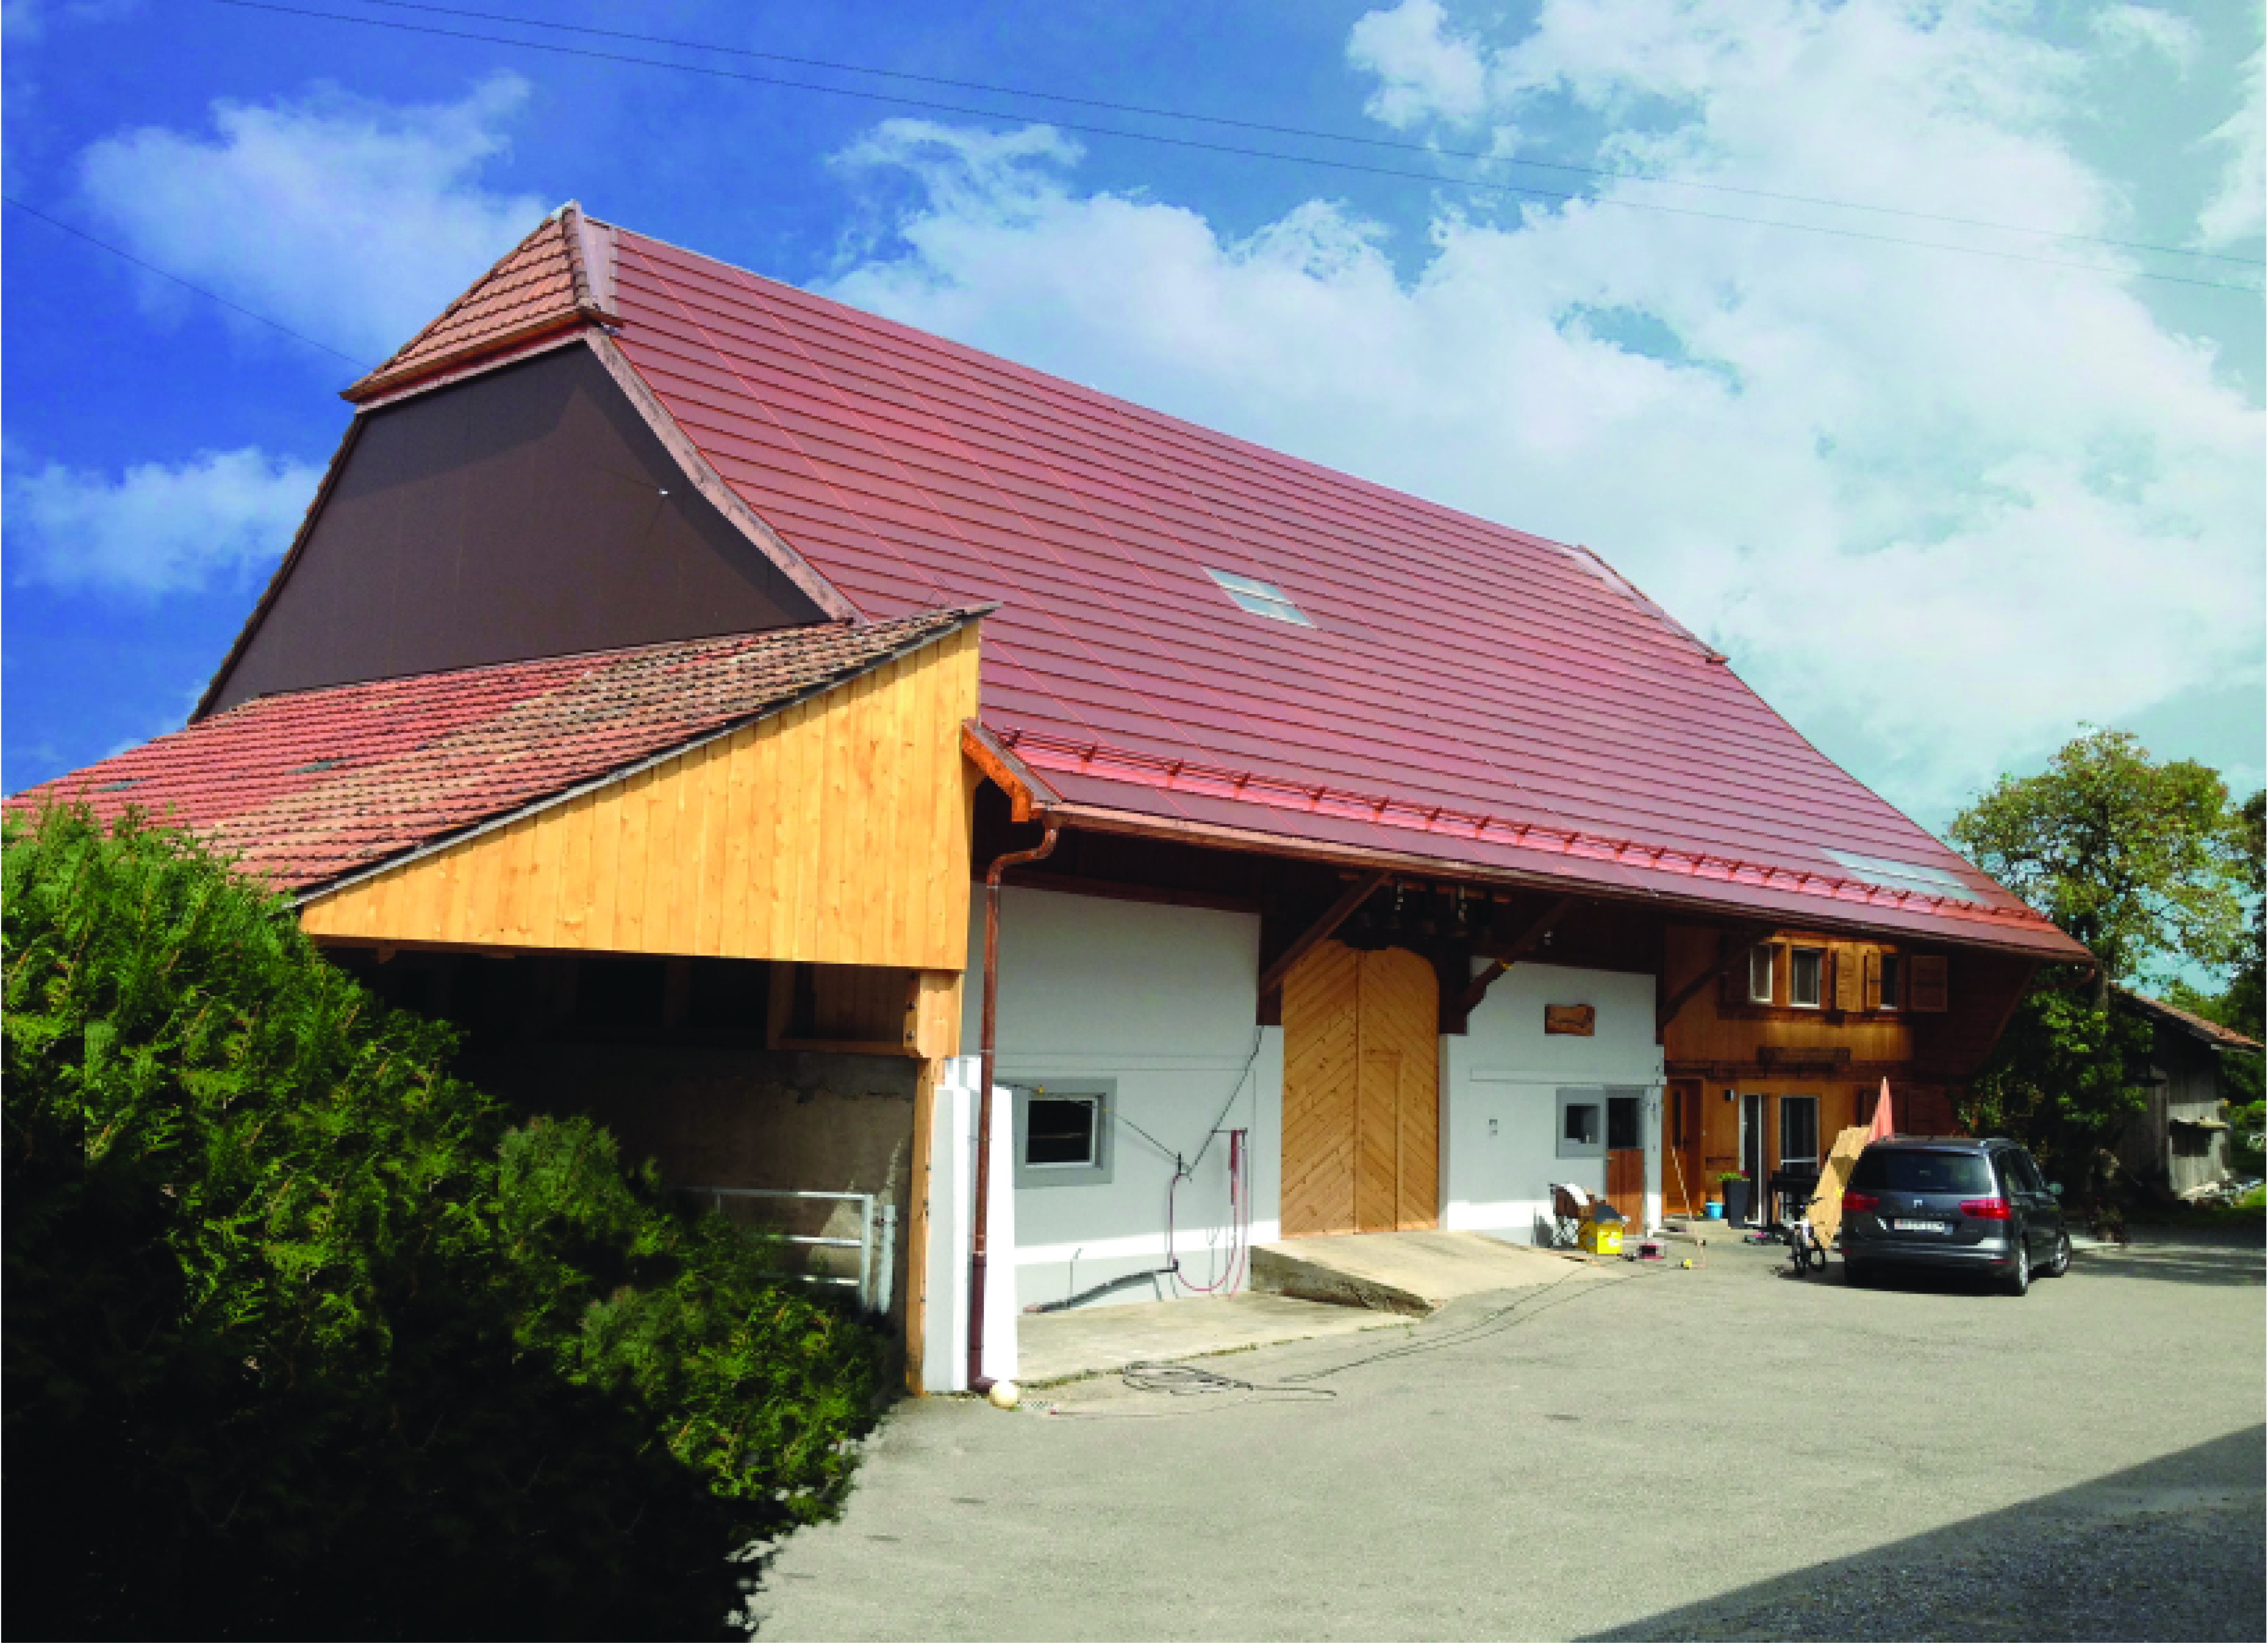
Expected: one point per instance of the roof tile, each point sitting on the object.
(1455, 667)
(308, 786)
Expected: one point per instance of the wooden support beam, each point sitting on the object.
(1271, 979)
(1027, 794)
(1741, 942)
(1528, 941)
(1453, 968)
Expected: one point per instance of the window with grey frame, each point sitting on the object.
(1064, 1133)
(1582, 1128)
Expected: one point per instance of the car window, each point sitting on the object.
(1882, 1170)
(2024, 1175)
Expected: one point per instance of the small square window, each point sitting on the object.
(1062, 1133)
(1803, 969)
(1262, 599)
(1582, 1124)
(1760, 974)
(1889, 981)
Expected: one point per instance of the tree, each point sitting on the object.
(306, 1337)
(2143, 863)
(2148, 866)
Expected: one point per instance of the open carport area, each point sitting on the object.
(1723, 1452)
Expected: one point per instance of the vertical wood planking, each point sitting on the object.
(836, 831)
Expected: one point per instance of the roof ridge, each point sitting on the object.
(589, 300)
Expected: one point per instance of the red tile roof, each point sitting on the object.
(2186, 1021)
(543, 283)
(310, 786)
(1468, 693)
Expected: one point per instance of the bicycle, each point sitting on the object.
(1805, 1252)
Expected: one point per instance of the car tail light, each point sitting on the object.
(1985, 1209)
(1860, 1203)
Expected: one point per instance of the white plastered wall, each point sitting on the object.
(1161, 1000)
(1501, 1084)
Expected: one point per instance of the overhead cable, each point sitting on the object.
(151, 268)
(1199, 144)
(1270, 128)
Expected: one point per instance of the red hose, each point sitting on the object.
(1240, 1225)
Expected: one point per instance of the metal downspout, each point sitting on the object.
(978, 1382)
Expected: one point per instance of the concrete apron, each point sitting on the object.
(1414, 1273)
(1303, 1289)
(1053, 1347)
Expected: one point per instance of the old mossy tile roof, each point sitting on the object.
(309, 786)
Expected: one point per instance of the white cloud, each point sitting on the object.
(156, 529)
(353, 221)
(2147, 28)
(1938, 508)
(1425, 71)
(2238, 210)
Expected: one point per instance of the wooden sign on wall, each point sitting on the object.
(1578, 1020)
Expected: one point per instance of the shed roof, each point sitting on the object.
(2186, 1021)
(311, 786)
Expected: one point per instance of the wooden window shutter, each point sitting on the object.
(1847, 992)
(1924, 983)
(1874, 987)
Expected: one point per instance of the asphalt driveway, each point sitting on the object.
(1717, 1453)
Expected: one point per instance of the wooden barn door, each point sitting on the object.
(1362, 1111)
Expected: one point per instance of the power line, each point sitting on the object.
(1266, 128)
(151, 268)
(1515, 189)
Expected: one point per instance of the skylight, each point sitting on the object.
(1906, 875)
(1262, 599)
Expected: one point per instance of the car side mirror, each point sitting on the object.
(2055, 1188)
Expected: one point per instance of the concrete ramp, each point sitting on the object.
(1414, 1272)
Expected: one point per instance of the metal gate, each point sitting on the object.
(876, 1242)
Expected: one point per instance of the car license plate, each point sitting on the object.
(1919, 1226)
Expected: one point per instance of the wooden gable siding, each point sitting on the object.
(834, 832)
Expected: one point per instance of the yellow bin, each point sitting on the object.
(1602, 1237)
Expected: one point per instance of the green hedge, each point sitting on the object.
(303, 1337)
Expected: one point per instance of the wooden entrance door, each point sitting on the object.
(1362, 1103)
(1627, 1155)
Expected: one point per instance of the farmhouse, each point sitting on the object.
(667, 650)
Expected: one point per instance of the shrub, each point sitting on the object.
(303, 1337)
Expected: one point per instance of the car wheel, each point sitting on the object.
(1856, 1275)
(2060, 1261)
(2019, 1281)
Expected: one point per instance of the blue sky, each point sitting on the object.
(1941, 508)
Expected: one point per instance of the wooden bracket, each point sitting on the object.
(1528, 941)
(1271, 979)
(1741, 942)
(1027, 794)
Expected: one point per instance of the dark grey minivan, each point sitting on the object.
(1951, 1202)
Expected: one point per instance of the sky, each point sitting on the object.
(1891, 347)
